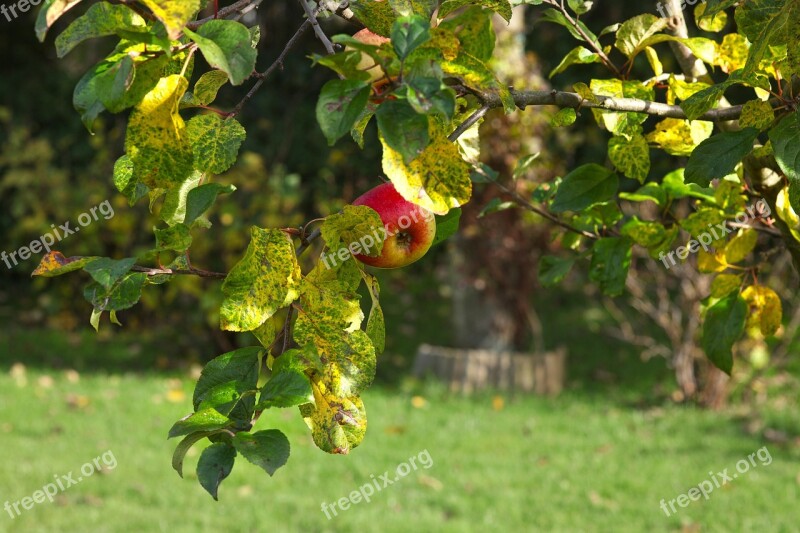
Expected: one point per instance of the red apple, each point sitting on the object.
(409, 228)
(368, 64)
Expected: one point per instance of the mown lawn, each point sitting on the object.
(585, 461)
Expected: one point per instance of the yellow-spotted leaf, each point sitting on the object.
(329, 319)
(630, 156)
(438, 179)
(266, 279)
(679, 137)
(54, 264)
(157, 142)
(355, 225)
(337, 424)
(757, 114)
(215, 142)
(766, 311)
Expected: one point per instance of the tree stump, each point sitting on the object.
(467, 371)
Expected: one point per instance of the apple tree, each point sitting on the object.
(426, 77)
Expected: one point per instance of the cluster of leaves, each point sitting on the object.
(591, 198)
(427, 88)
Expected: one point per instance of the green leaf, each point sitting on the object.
(429, 96)
(339, 106)
(99, 21)
(583, 187)
(267, 449)
(123, 295)
(525, 164)
(403, 129)
(156, 141)
(723, 326)
(633, 34)
(564, 117)
(611, 259)
(107, 271)
(644, 233)
(556, 17)
(717, 156)
(173, 210)
(474, 30)
(49, 13)
(554, 269)
(264, 280)
(496, 205)
(200, 199)
(240, 366)
(630, 156)
(785, 138)
(124, 182)
(285, 389)
(206, 88)
(226, 46)
(501, 7)
(174, 14)
(701, 101)
(215, 142)
(177, 238)
(764, 23)
(578, 55)
(446, 226)
(215, 464)
(408, 34)
(184, 446)
(376, 324)
(206, 420)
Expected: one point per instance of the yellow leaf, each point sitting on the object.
(741, 245)
(711, 262)
(766, 311)
(786, 213)
(173, 13)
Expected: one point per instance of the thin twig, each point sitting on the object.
(237, 7)
(467, 124)
(308, 240)
(522, 202)
(312, 16)
(594, 44)
(177, 272)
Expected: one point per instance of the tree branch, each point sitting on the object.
(607, 103)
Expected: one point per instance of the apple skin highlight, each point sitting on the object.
(410, 228)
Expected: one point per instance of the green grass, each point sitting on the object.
(579, 462)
